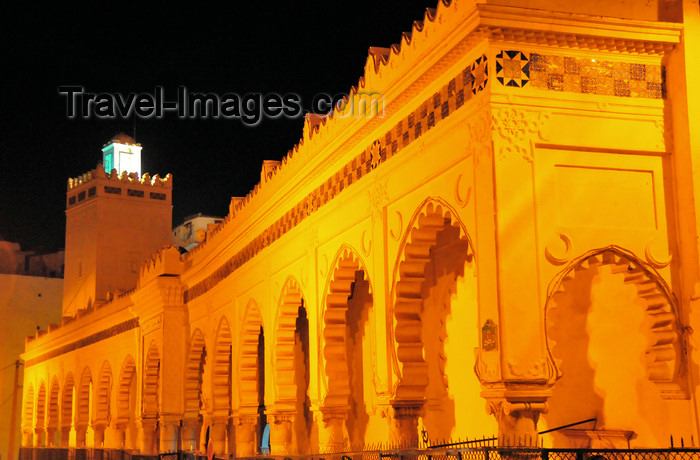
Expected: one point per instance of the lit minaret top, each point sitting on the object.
(123, 154)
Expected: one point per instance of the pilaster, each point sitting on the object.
(65, 436)
(80, 435)
(517, 412)
(39, 437)
(332, 432)
(217, 434)
(148, 436)
(168, 433)
(99, 434)
(281, 430)
(403, 422)
(246, 436)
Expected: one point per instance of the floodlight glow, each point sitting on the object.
(122, 158)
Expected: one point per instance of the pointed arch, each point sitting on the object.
(151, 380)
(67, 401)
(248, 364)
(433, 216)
(664, 362)
(41, 407)
(291, 300)
(221, 378)
(103, 393)
(194, 367)
(347, 264)
(52, 413)
(28, 412)
(82, 416)
(126, 376)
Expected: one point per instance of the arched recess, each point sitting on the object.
(291, 365)
(41, 407)
(285, 339)
(665, 348)
(347, 266)
(432, 218)
(103, 394)
(248, 364)
(127, 374)
(221, 378)
(67, 402)
(194, 369)
(52, 414)
(82, 406)
(151, 380)
(28, 412)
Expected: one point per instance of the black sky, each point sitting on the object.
(241, 47)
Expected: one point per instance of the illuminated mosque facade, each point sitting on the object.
(507, 245)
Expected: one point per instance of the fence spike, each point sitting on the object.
(671, 441)
(682, 443)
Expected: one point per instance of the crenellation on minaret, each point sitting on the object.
(97, 182)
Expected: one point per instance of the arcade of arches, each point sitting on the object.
(509, 247)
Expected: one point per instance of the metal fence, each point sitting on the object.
(388, 453)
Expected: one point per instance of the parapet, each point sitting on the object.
(97, 182)
(165, 262)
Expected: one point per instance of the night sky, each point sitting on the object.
(240, 47)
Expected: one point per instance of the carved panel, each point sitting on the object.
(516, 129)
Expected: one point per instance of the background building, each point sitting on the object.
(31, 289)
(192, 231)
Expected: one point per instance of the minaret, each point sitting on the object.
(114, 222)
(123, 154)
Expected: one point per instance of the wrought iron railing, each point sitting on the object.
(383, 452)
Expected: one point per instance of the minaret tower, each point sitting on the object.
(123, 154)
(115, 220)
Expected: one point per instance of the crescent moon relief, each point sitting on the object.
(653, 261)
(304, 277)
(554, 256)
(395, 235)
(462, 201)
(366, 248)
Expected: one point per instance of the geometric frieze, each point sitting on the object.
(580, 75)
(89, 340)
(471, 80)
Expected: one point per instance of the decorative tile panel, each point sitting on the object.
(513, 68)
(577, 75)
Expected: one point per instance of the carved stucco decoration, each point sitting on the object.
(517, 130)
(366, 244)
(323, 267)
(377, 197)
(479, 129)
(395, 230)
(462, 198)
(665, 134)
(652, 258)
(553, 251)
(152, 324)
(487, 371)
(541, 369)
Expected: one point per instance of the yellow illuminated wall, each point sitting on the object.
(510, 248)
